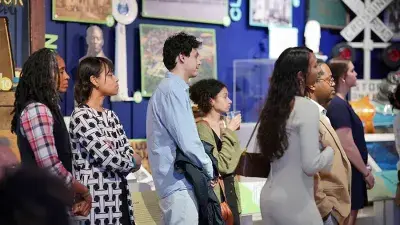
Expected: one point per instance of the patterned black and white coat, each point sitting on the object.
(102, 158)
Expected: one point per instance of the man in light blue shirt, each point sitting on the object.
(170, 125)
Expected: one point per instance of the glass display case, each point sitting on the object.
(250, 86)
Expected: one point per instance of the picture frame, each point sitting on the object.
(7, 64)
(93, 11)
(267, 13)
(211, 12)
(152, 38)
(331, 14)
(391, 18)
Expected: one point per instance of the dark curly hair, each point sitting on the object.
(339, 69)
(90, 66)
(284, 86)
(38, 83)
(203, 91)
(176, 44)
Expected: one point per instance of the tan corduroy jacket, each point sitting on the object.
(332, 194)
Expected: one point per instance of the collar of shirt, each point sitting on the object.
(322, 110)
(179, 80)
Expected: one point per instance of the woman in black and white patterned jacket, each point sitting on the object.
(102, 155)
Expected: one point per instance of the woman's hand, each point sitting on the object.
(370, 180)
(83, 205)
(234, 123)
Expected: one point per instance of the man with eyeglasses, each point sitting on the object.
(332, 188)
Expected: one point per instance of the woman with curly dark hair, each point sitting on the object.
(211, 97)
(288, 137)
(102, 154)
(42, 135)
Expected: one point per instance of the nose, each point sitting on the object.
(67, 76)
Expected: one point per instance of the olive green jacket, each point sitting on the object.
(229, 156)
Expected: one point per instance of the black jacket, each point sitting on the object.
(209, 206)
(61, 141)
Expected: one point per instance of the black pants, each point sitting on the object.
(231, 197)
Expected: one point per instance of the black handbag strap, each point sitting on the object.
(252, 133)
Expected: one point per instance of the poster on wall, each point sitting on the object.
(266, 13)
(152, 38)
(202, 11)
(330, 14)
(392, 19)
(6, 56)
(83, 11)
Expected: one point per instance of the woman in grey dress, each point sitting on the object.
(289, 138)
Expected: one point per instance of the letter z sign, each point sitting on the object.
(367, 16)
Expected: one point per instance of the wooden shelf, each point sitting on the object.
(6, 107)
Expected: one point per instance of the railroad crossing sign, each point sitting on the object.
(367, 20)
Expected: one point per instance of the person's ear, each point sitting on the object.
(181, 58)
(94, 81)
(300, 78)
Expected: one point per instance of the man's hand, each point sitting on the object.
(214, 182)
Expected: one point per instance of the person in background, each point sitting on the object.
(102, 154)
(289, 139)
(7, 157)
(42, 135)
(350, 131)
(394, 101)
(332, 192)
(170, 125)
(31, 196)
(62, 85)
(211, 97)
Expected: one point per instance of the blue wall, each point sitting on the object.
(239, 41)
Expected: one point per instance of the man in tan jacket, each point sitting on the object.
(332, 189)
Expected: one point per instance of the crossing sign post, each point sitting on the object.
(367, 19)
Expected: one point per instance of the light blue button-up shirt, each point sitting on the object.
(170, 124)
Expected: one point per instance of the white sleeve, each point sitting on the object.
(312, 159)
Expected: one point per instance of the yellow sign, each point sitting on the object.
(5, 84)
(11, 2)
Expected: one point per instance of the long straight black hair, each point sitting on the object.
(284, 86)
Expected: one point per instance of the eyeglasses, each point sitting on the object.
(331, 81)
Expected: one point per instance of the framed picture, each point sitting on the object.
(152, 38)
(329, 13)
(392, 19)
(84, 11)
(202, 11)
(6, 53)
(265, 13)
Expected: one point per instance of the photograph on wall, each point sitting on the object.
(330, 14)
(265, 13)
(84, 11)
(152, 38)
(392, 19)
(6, 55)
(202, 11)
